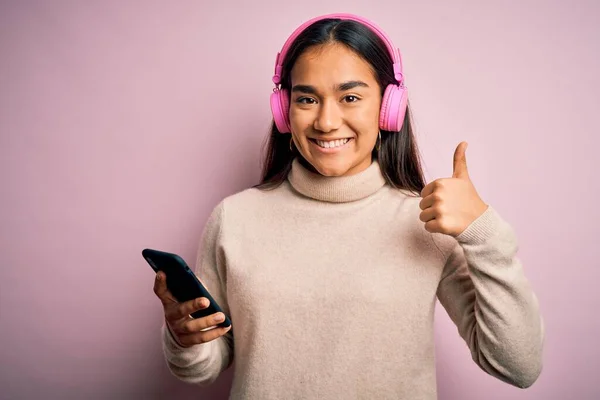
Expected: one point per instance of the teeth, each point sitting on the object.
(333, 143)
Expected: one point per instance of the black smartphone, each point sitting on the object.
(182, 282)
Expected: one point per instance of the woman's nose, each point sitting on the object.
(329, 117)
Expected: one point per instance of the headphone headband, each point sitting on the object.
(393, 51)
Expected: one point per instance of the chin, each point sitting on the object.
(332, 167)
(333, 173)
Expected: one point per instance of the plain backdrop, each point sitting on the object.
(123, 123)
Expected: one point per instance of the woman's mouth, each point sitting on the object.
(329, 146)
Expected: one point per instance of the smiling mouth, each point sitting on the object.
(330, 144)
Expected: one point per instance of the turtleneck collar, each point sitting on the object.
(338, 189)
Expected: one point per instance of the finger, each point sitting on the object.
(196, 325)
(428, 214)
(460, 161)
(436, 186)
(433, 226)
(428, 189)
(429, 201)
(183, 310)
(161, 290)
(203, 337)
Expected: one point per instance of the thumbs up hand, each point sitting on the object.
(450, 205)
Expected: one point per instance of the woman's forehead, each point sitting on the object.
(331, 63)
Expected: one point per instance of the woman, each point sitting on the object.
(330, 267)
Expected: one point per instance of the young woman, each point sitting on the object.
(330, 268)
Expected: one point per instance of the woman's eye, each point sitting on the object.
(305, 100)
(309, 100)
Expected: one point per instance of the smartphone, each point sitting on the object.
(182, 282)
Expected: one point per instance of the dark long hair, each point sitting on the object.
(398, 154)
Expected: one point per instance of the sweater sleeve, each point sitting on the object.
(489, 299)
(202, 363)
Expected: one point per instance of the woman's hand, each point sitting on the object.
(187, 330)
(450, 205)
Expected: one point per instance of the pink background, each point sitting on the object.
(122, 123)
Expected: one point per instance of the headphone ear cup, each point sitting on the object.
(393, 108)
(280, 108)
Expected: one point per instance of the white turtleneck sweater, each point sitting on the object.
(331, 283)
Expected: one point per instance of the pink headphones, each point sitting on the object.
(393, 104)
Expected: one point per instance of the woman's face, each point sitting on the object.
(334, 109)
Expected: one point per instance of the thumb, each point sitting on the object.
(460, 161)
(161, 290)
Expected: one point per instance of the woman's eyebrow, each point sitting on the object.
(341, 87)
(351, 85)
(304, 89)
